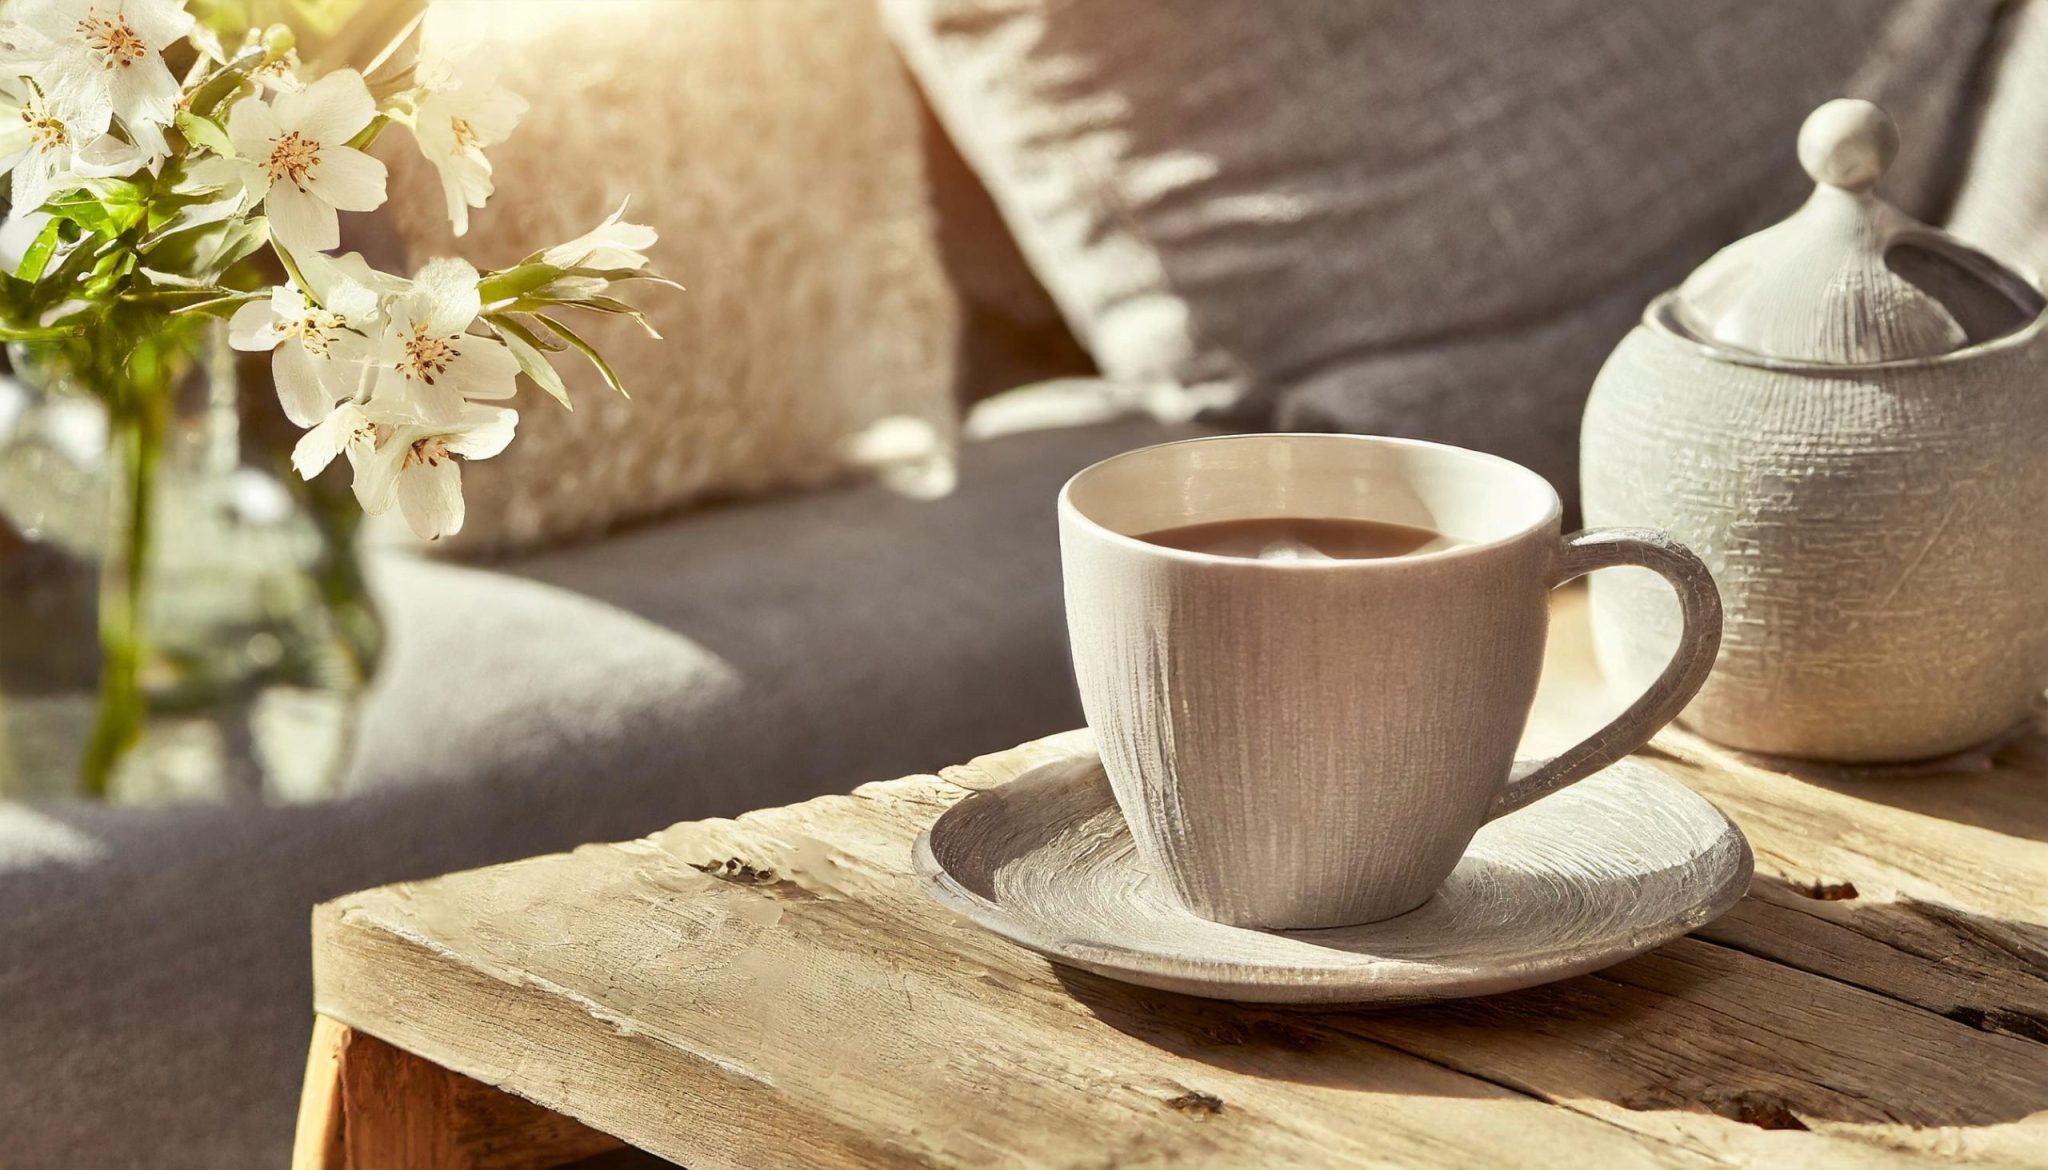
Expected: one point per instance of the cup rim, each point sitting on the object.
(1552, 516)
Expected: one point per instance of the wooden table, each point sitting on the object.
(774, 992)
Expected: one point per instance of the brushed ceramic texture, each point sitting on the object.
(1848, 278)
(1609, 868)
(1314, 744)
(1879, 534)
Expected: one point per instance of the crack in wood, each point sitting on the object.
(1196, 1103)
(1751, 1107)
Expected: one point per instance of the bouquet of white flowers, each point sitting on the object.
(173, 168)
(150, 203)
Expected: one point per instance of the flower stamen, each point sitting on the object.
(426, 358)
(44, 132)
(292, 158)
(111, 40)
(429, 451)
(317, 331)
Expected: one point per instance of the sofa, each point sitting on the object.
(598, 685)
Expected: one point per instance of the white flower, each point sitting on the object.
(410, 463)
(425, 355)
(306, 169)
(43, 151)
(321, 351)
(610, 246)
(280, 75)
(345, 428)
(462, 110)
(96, 60)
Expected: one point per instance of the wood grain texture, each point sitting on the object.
(774, 991)
(1622, 862)
(370, 1106)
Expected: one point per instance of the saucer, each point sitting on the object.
(1608, 868)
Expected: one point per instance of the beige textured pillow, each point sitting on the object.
(2003, 206)
(1429, 219)
(775, 145)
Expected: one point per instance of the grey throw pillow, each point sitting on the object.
(1423, 219)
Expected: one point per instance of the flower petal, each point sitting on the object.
(157, 22)
(252, 127)
(108, 155)
(449, 287)
(77, 94)
(611, 244)
(318, 447)
(486, 431)
(376, 482)
(435, 402)
(299, 389)
(349, 179)
(465, 183)
(482, 368)
(331, 110)
(145, 97)
(301, 222)
(253, 328)
(430, 495)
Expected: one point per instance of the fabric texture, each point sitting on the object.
(1422, 219)
(154, 974)
(2003, 204)
(777, 146)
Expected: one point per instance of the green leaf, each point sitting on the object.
(200, 255)
(368, 134)
(618, 308)
(229, 78)
(104, 206)
(515, 281)
(526, 350)
(577, 343)
(205, 132)
(617, 275)
(217, 305)
(37, 256)
(38, 333)
(537, 332)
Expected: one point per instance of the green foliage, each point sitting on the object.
(204, 132)
(527, 347)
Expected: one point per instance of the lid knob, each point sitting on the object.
(1849, 279)
(1848, 143)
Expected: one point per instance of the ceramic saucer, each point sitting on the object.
(1608, 868)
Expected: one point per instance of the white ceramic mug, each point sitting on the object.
(1313, 743)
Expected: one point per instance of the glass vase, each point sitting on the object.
(181, 618)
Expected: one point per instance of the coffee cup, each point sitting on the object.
(1300, 737)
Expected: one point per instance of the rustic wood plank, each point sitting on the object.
(820, 890)
(1732, 1060)
(772, 991)
(791, 1029)
(1927, 885)
(317, 1143)
(369, 1105)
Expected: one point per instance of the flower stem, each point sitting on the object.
(136, 440)
(291, 268)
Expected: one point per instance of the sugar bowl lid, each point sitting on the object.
(1848, 278)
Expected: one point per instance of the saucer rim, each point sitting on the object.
(1392, 982)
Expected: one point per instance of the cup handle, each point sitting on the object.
(1700, 640)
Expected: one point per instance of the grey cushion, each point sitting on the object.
(154, 990)
(1405, 217)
